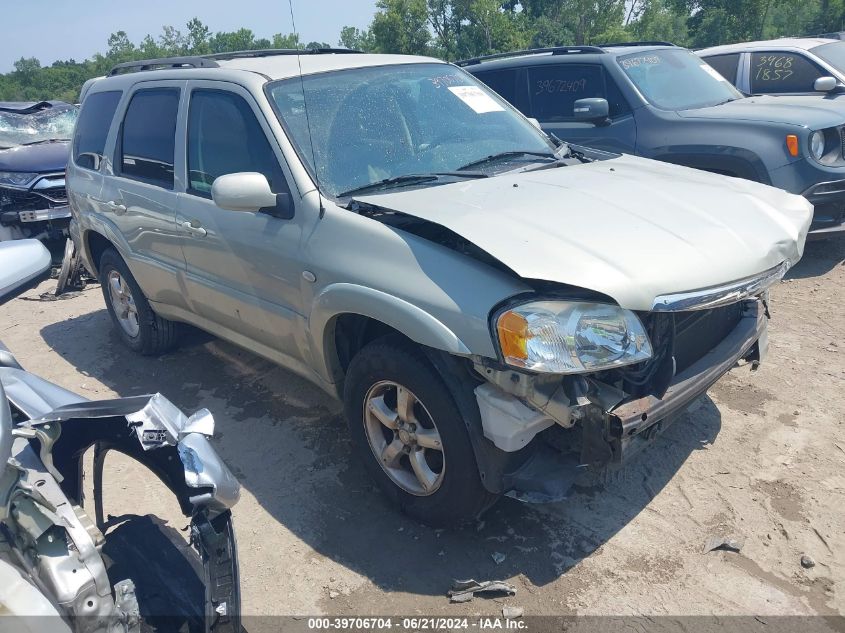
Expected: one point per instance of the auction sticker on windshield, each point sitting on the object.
(476, 99)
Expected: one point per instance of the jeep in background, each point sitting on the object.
(34, 149)
(496, 312)
(661, 101)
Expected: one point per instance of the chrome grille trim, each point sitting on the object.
(715, 296)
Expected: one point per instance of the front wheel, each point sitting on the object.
(411, 435)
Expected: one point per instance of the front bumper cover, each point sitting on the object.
(828, 198)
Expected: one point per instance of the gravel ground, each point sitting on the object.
(760, 457)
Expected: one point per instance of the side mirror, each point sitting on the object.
(250, 191)
(594, 110)
(825, 84)
(535, 123)
(23, 264)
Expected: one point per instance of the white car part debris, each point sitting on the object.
(465, 590)
(728, 544)
(511, 613)
(506, 421)
(161, 421)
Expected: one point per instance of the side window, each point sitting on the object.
(725, 65)
(782, 73)
(224, 137)
(503, 82)
(618, 104)
(148, 136)
(92, 128)
(554, 89)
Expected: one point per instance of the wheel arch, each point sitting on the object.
(736, 162)
(345, 317)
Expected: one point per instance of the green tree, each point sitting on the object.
(291, 40)
(484, 26)
(658, 20)
(401, 26)
(120, 48)
(171, 41)
(196, 41)
(226, 42)
(355, 39)
(714, 22)
(26, 68)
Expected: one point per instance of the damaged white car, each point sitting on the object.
(66, 564)
(497, 309)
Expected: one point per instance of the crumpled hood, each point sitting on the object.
(812, 112)
(629, 227)
(39, 158)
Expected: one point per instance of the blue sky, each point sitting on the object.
(64, 29)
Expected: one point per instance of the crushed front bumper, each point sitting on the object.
(635, 423)
(612, 428)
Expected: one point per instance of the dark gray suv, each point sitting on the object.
(663, 102)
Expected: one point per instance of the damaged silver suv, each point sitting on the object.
(497, 309)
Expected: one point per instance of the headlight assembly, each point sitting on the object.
(571, 337)
(817, 145)
(16, 178)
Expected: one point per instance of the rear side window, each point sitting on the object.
(92, 128)
(783, 73)
(503, 82)
(725, 65)
(224, 137)
(554, 89)
(148, 136)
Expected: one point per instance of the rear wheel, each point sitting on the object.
(411, 435)
(141, 329)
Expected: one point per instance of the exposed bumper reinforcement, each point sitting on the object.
(636, 423)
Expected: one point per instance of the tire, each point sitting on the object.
(70, 272)
(146, 333)
(454, 494)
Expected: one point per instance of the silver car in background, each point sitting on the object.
(497, 310)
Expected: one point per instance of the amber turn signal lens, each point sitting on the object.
(792, 144)
(513, 335)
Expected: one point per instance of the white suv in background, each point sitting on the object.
(787, 66)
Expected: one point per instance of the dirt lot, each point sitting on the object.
(760, 457)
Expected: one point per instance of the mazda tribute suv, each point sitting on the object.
(498, 311)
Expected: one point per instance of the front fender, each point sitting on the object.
(407, 318)
(734, 161)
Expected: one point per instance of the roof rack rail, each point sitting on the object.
(208, 61)
(270, 52)
(643, 43)
(834, 35)
(554, 50)
(189, 61)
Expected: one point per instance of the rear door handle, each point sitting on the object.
(194, 228)
(116, 207)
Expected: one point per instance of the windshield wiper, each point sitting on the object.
(502, 155)
(46, 140)
(409, 179)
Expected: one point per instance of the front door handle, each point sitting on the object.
(194, 228)
(116, 207)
